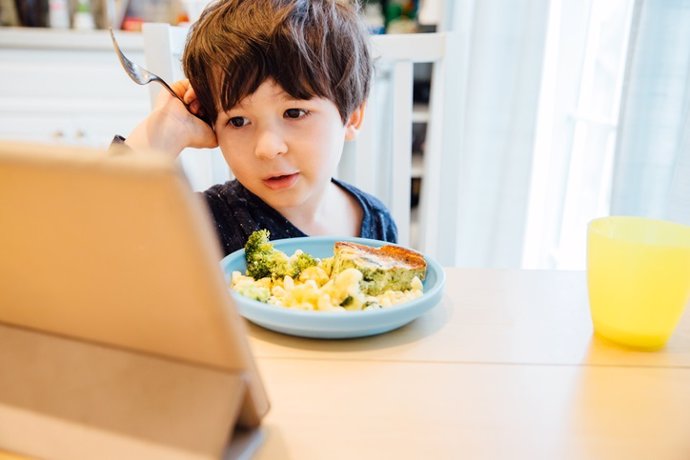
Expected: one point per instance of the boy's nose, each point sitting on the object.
(270, 143)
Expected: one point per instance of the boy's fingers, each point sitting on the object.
(190, 99)
(180, 87)
(195, 107)
(189, 95)
(185, 91)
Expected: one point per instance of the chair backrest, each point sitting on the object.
(380, 160)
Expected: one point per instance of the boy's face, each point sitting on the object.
(283, 150)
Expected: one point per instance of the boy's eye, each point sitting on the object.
(237, 122)
(295, 113)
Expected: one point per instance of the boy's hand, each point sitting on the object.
(170, 127)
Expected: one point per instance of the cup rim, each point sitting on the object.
(594, 227)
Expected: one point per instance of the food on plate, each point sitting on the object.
(384, 268)
(264, 260)
(356, 277)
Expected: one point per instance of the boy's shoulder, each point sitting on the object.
(377, 221)
(368, 201)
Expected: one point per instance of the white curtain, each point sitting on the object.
(652, 168)
(576, 129)
(570, 110)
(501, 54)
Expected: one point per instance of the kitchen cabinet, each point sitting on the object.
(64, 86)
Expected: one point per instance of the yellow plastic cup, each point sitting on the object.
(638, 276)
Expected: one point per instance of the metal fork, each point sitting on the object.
(141, 76)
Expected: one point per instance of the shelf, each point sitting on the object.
(67, 39)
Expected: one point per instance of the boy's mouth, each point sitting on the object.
(281, 181)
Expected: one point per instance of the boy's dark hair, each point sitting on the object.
(311, 48)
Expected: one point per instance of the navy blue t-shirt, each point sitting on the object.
(237, 213)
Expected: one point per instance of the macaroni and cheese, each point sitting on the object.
(318, 288)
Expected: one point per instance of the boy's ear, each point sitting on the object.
(354, 122)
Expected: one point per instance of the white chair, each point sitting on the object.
(380, 160)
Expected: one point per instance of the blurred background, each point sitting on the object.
(565, 110)
(383, 16)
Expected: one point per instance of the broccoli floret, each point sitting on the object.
(301, 262)
(263, 260)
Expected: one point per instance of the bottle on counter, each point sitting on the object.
(32, 13)
(83, 17)
(58, 14)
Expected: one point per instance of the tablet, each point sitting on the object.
(109, 256)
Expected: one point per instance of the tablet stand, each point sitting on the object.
(63, 398)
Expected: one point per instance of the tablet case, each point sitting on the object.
(118, 336)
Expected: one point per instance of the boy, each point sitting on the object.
(283, 84)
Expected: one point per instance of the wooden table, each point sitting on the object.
(505, 367)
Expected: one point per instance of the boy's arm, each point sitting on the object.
(170, 128)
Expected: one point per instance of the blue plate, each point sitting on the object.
(332, 325)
